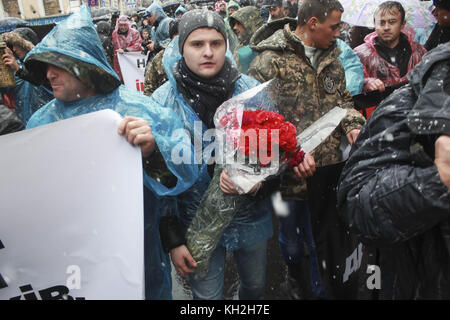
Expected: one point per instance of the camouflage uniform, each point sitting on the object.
(301, 93)
(250, 18)
(154, 73)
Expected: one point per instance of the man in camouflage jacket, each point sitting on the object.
(302, 57)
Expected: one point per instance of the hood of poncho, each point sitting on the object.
(156, 10)
(74, 45)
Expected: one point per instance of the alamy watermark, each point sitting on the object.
(223, 148)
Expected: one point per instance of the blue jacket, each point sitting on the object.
(254, 223)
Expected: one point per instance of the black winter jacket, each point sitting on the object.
(390, 192)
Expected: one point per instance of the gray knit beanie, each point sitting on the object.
(196, 19)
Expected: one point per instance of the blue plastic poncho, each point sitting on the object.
(74, 46)
(179, 10)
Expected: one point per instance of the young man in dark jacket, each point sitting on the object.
(201, 78)
(394, 191)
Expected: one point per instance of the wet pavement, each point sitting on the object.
(276, 271)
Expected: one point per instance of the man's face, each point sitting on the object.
(123, 27)
(276, 12)
(388, 24)
(240, 31)
(66, 87)
(204, 52)
(443, 17)
(325, 33)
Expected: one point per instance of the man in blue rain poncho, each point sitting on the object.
(28, 96)
(200, 80)
(72, 60)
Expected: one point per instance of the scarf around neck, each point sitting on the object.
(206, 95)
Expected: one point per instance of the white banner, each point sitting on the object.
(71, 212)
(132, 65)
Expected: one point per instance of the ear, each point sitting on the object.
(403, 24)
(312, 23)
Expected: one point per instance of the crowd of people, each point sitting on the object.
(392, 192)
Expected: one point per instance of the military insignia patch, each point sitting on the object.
(328, 84)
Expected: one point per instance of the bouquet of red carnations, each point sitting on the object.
(261, 144)
(254, 143)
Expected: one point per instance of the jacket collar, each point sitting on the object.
(296, 45)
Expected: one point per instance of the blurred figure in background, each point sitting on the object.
(125, 39)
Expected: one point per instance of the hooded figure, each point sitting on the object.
(441, 32)
(195, 99)
(250, 19)
(221, 8)
(129, 40)
(377, 66)
(391, 193)
(28, 95)
(73, 45)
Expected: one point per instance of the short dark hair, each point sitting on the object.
(320, 9)
(388, 6)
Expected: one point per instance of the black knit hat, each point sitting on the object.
(199, 18)
(444, 4)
